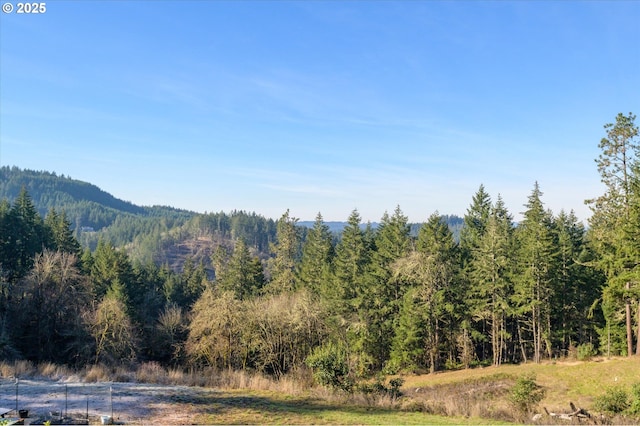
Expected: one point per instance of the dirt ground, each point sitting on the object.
(127, 403)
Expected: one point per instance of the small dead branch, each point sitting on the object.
(575, 413)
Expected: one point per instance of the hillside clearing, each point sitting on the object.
(563, 381)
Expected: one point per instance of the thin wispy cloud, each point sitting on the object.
(319, 106)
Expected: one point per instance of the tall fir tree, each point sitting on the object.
(285, 255)
(350, 263)
(612, 223)
(474, 224)
(26, 236)
(430, 271)
(379, 296)
(243, 276)
(112, 272)
(314, 271)
(59, 229)
(534, 287)
(578, 285)
(350, 268)
(475, 220)
(491, 271)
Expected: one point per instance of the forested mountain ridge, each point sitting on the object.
(158, 234)
(85, 204)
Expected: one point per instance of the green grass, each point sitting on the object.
(261, 407)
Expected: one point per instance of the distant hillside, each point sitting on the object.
(454, 222)
(163, 235)
(86, 205)
(334, 226)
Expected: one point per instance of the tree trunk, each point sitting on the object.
(535, 328)
(629, 328)
(522, 348)
(638, 333)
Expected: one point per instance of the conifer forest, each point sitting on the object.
(273, 296)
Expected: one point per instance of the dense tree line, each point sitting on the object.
(386, 299)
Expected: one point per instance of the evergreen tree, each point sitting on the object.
(408, 346)
(243, 276)
(534, 288)
(195, 281)
(25, 238)
(149, 305)
(103, 271)
(436, 241)
(612, 222)
(62, 236)
(378, 297)
(431, 273)
(474, 225)
(350, 268)
(5, 229)
(317, 255)
(350, 263)
(475, 221)
(111, 271)
(491, 271)
(5, 253)
(285, 253)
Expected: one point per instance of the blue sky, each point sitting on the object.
(320, 106)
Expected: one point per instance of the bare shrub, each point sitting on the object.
(122, 374)
(53, 371)
(283, 329)
(411, 405)
(54, 295)
(236, 379)
(6, 370)
(372, 399)
(21, 368)
(175, 375)
(151, 372)
(113, 332)
(96, 373)
(24, 368)
(170, 333)
(260, 382)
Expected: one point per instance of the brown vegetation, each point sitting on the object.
(154, 393)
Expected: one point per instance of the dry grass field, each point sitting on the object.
(155, 395)
(564, 382)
